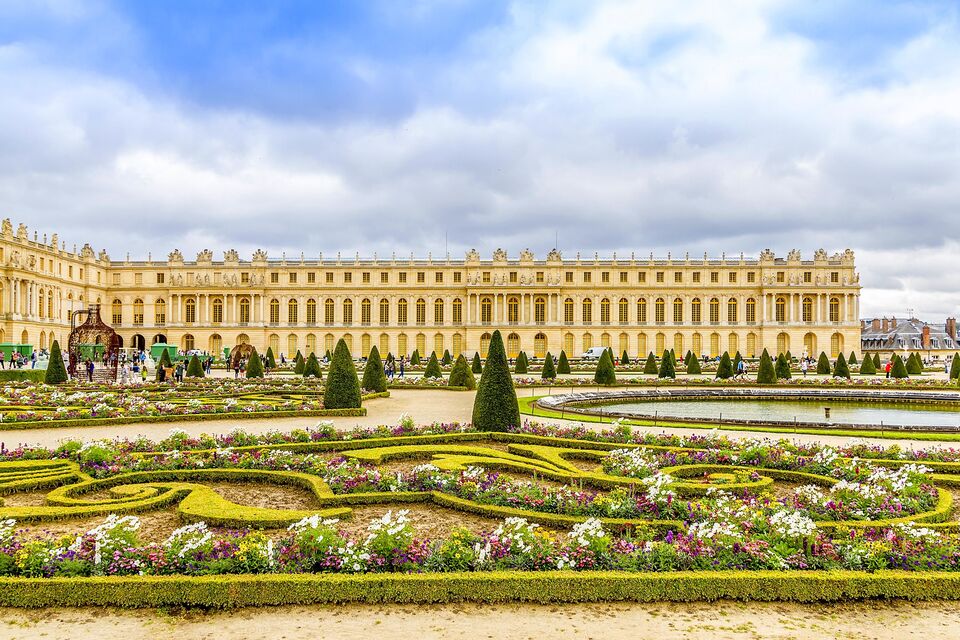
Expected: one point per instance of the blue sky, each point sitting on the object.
(381, 126)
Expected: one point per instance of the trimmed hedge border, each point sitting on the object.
(231, 591)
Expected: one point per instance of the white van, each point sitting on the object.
(593, 353)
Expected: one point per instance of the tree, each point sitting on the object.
(328, 356)
(693, 366)
(737, 359)
(477, 365)
(867, 368)
(789, 356)
(624, 358)
(298, 364)
(605, 373)
(852, 360)
(650, 366)
(343, 387)
(447, 359)
(898, 370)
(311, 368)
(954, 366)
(194, 368)
(461, 375)
(766, 373)
(823, 364)
(563, 365)
(271, 361)
(876, 361)
(374, 379)
(914, 364)
(782, 368)
(433, 367)
(548, 372)
(56, 372)
(165, 362)
(667, 367)
(725, 367)
(495, 408)
(840, 369)
(415, 357)
(254, 366)
(520, 366)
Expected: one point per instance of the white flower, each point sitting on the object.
(792, 524)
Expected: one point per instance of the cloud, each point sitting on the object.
(630, 126)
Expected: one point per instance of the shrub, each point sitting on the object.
(782, 368)
(876, 361)
(954, 366)
(22, 375)
(521, 364)
(766, 374)
(693, 366)
(495, 407)
(433, 367)
(271, 360)
(823, 364)
(624, 358)
(461, 375)
(56, 373)
(914, 364)
(374, 379)
(605, 373)
(867, 368)
(165, 359)
(311, 368)
(852, 360)
(789, 357)
(415, 357)
(650, 367)
(254, 366)
(447, 359)
(298, 364)
(667, 367)
(840, 369)
(328, 355)
(725, 368)
(898, 370)
(548, 372)
(477, 365)
(343, 387)
(737, 359)
(194, 369)
(563, 365)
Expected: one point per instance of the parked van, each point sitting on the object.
(593, 353)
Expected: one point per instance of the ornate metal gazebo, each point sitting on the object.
(240, 352)
(93, 331)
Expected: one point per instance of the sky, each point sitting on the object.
(430, 125)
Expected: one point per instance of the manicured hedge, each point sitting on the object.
(22, 375)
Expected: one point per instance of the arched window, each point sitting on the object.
(422, 344)
(641, 345)
(243, 339)
(587, 312)
(513, 309)
(348, 340)
(697, 346)
(421, 312)
(733, 343)
(642, 311)
(328, 343)
(714, 311)
(605, 311)
(624, 344)
(365, 313)
(484, 345)
(751, 344)
(810, 344)
(457, 313)
(50, 309)
(834, 309)
(274, 343)
(215, 345)
(732, 311)
(661, 342)
(438, 311)
(117, 313)
(807, 309)
(783, 343)
(311, 312)
(568, 311)
(513, 345)
(244, 311)
(714, 345)
(402, 313)
(568, 343)
(486, 315)
(160, 312)
(402, 345)
(365, 345)
(623, 311)
(292, 345)
(678, 344)
(348, 311)
(328, 311)
(384, 313)
(677, 311)
(190, 311)
(188, 342)
(41, 309)
(438, 345)
(384, 344)
(659, 312)
(540, 310)
(457, 345)
(217, 308)
(540, 345)
(781, 310)
(605, 339)
(751, 312)
(587, 341)
(695, 308)
(275, 312)
(293, 312)
(311, 344)
(836, 345)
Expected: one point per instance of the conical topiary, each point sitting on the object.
(725, 367)
(650, 366)
(433, 367)
(823, 364)
(898, 370)
(693, 366)
(782, 368)
(165, 362)
(624, 358)
(374, 379)
(840, 369)
(461, 375)
(298, 364)
(914, 364)
(328, 356)
(343, 387)
(867, 368)
(520, 366)
(495, 408)
(789, 356)
(852, 360)
(194, 368)
(56, 372)
(415, 357)
(876, 361)
(737, 359)
(271, 361)
(477, 366)
(667, 367)
(605, 373)
(563, 365)
(954, 366)
(254, 366)
(447, 359)
(766, 374)
(311, 368)
(548, 372)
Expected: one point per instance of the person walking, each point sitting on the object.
(888, 367)
(3, 364)
(403, 360)
(803, 366)
(90, 367)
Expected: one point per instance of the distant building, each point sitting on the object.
(887, 336)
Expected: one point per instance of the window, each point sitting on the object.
(732, 277)
(138, 279)
(605, 277)
(568, 277)
(311, 311)
(642, 311)
(678, 276)
(677, 311)
(403, 277)
(421, 311)
(457, 279)
(808, 277)
(714, 277)
(486, 277)
(587, 276)
(188, 342)
(274, 311)
(293, 278)
(384, 311)
(623, 311)
(513, 309)
(659, 311)
(245, 277)
(540, 310)
(274, 278)
(484, 344)
(311, 278)
(807, 309)
(834, 309)
(623, 277)
(160, 278)
(421, 277)
(348, 311)
(732, 311)
(328, 311)
(365, 312)
(605, 311)
(696, 277)
(486, 312)
(659, 277)
(695, 309)
(642, 277)
(751, 314)
(539, 277)
(438, 311)
(587, 311)
(365, 277)
(384, 278)
(751, 277)
(513, 345)
(457, 313)
(328, 277)
(781, 309)
(513, 277)
(116, 279)
(438, 277)
(217, 311)
(293, 311)
(190, 311)
(117, 315)
(138, 312)
(402, 311)
(347, 278)
(835, 277)
(244, 311)
(781, 276)
(540, 345)
(568, 311)
(160, 312)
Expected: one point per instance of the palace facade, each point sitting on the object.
(634, 304)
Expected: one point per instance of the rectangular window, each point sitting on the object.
(659, 277)
(513, 277)
(605, 277)
(293, 278)
(696, 277)
(587, 276)
(539, 277)
(486, 277)
(365, 277)
(160, 277)
(328, 276)
(642, 277)
(438, 277)
(347, 277)
(403, 277)
(138, 279)
(732, 277)
(384, 277)
(808, 277)
(568, 277)
(678, 276)
(274, 278)
(623, 277)
(116, 278)
(311, 278)
(714, 277)
(781, 276)
(834, 277)
(245, 277)
(457, 277)
(421, 277)
(751, 276)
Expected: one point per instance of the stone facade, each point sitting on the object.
(633, 303)
(887, 336)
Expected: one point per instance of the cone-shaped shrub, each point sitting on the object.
(605, 373)
(693, 366)
(433, 367)
(415, 357)
(737, 359)
(298, 364)
(898, 370)
(782, 368)
(165, 362)
(914, 364)
(766, 374)
(876, 361)
(495, 408)
(673, 358)
(520, 366)
(374, 379)
(650, 366)
(461, 375)
(477, 365)
(271, 361)
(563, 365)
(194, 369)
(311, 368)
(548, 372)
(667, 367)
(328, 355)
(789, 356)
(56, 372)
(954, 366)
(852, 360)
(624, 358)
(725, 367)
(343, 386)
(447, 359)
(254, 366)
(686, 358)
(823, 364)
(840, 369)
(867, 368)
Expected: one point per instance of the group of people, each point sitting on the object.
(19, 361)
(392, 366)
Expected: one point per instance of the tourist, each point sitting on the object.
(236, 368)
(143, 373)
(741, 369)
(803, 366)
(178, 373)
(90, 368)
(2, 361)
(33, 360)
(403, 360)
(124, 374)
(888, 367)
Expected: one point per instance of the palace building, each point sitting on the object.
(630, 303)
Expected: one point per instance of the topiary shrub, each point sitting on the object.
(343, 387)
(477, 367)
(782, 368)
(650, 367)
(520, 366)
(914, 364)
(693, 366)
(447, 359)
(56, 373)
(328, 356)
(789, 356)
(737, 359)
(876, 361)
(823, 364)
(840, 369)
(374, 379)
(495, 408)
(852, 360)
(548, 372)
(563, 365)
(271, 360)
(298, 364)
(898, 370)
(311, 368)
(954, 366)
(194, 368)
(867, 368)
(667, 367)
(254, 366)
(433, 367)
(624, 358)
(766, 374)
(164, 363)
(415, 357)
(605, 373)
(461, 375)
(725, 368)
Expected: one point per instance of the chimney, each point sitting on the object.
(952, 328)
(893, 322)
(875, 325)
(886, 325)
(926, 336)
